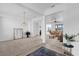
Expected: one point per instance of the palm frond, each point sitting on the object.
(69, 37)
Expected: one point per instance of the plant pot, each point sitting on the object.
(68, 42)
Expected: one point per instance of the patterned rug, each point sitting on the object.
(44, 52)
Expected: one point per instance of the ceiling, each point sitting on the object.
(32, 9)
(38, 7)
(15, 10)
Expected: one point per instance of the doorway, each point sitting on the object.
(54, 30)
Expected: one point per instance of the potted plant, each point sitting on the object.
(69, 38)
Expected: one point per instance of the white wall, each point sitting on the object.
(71, 17)
(1, 28)
(7, 24)
(71, 23)
(11, 16)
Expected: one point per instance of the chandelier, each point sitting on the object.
(24, 22)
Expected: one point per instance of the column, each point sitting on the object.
(43, 27)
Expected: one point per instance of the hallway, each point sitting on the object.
(32, 27)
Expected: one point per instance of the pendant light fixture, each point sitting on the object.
(24, 23)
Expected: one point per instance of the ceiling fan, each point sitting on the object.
(54, 20)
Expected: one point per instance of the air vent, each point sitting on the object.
(53, 5)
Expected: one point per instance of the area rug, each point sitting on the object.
(44, 52)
